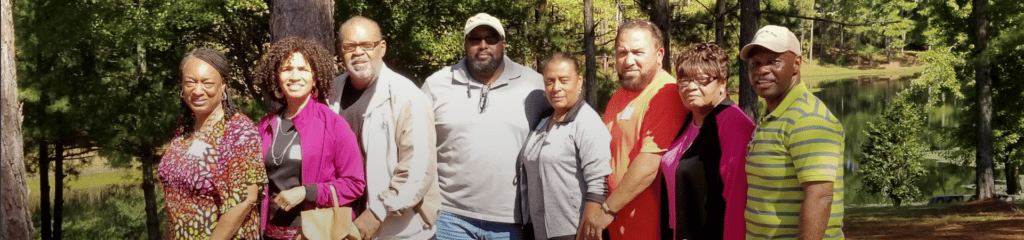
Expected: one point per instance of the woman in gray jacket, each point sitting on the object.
(565, 160)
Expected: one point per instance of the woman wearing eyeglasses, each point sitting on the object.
(211, 170)
(307, 148)
(704, 167)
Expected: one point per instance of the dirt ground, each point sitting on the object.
(990, 219)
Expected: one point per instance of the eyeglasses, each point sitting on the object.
(366, 46)
(701, 81)
(491, 40)
(483, 97)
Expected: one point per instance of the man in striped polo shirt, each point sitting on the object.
(795, 183)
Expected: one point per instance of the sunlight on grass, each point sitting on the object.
(92, 180)
(815, 74)
(923, 215)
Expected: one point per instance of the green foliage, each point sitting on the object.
(950, 29)
(1007, 51)
(940, 72)
(894, 153)
(425, 36)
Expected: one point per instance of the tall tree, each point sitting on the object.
(590, 48)
(53, 79)
(1008, 89)
(748, 27)
(719, 17)
(14, 193)
(660, 13)
(313, 19)
(982, 73)
(44, 190)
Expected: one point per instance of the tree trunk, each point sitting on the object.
(58, 190)
(810, 47)
(44, 189)
(720, 23)
(842, 41)
(591, 48)
(888, 49)
(1012, 179)
(17, 224)
(982, 76)
(896, 201)
(149, 193)
(748, 27)
(661, 16)
(152, 217)
(539, 36)
(303, 18)
(14, 194)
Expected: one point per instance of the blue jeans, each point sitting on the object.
(455, 227)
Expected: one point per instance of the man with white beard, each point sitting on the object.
(484, 107)
(395, 126)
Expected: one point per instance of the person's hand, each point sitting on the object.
(367, 223)
(594, 221)
(290, 198)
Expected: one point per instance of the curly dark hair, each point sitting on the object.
(321, 62)
(706, 57)
(187, 121)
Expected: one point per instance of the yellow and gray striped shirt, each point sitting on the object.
(800, 141)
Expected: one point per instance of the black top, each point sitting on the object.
(349, 94)
(700, 207)
(284, 170)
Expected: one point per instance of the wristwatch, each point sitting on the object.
(604, 206)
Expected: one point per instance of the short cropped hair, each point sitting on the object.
(348, 23)
(641, 24)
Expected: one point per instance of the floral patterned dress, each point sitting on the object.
(207, 175)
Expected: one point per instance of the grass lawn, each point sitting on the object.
(92, 180)
(814, 74)
(87, 183)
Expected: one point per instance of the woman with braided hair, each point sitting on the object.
(307, 148)
(211, 170)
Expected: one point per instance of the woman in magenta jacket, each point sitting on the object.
(704, 168)
(306, 147)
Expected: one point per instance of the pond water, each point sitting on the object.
(856, 102)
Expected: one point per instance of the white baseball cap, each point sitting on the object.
(775, 38)
(483, 19)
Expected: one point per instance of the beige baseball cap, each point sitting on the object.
(483, 19)
(775, 38)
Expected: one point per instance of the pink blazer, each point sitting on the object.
(330, 154)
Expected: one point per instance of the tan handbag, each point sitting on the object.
(332, 223)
